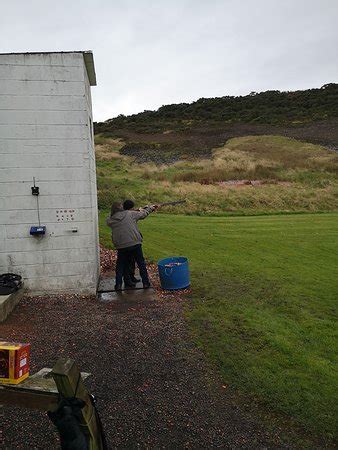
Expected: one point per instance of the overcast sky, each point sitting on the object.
(150, 53)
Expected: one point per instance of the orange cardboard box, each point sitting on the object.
(14, 362)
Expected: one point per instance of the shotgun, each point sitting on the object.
(170, 203)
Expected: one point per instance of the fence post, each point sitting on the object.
(69, 383)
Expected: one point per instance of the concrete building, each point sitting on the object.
(46, 135)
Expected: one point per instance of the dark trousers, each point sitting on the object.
(129, 271)
(123, 257)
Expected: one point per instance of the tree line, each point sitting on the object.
(269, 107)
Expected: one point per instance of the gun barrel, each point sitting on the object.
(171, 203)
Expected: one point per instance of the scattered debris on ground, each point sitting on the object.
(107, 259)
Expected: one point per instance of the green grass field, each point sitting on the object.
(263, 304)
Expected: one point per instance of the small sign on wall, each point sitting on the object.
(65, 215)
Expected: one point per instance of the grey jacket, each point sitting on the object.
(123, 224)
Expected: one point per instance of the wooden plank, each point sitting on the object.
(43, 381)
(69, 383)
(26, 398)
(38, 391)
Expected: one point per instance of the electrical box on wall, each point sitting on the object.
(38, 231)
(35, 190)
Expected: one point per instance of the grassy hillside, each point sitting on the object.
(283, 142)
(195, 129)
(285, 175)
(264, 304)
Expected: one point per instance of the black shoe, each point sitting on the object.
(118, 287)
(129, 285)
(146, 285)
(135, 280)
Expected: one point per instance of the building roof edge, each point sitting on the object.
(87, 56)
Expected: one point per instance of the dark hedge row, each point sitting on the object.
(270, 107)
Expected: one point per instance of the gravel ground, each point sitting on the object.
(154, 388)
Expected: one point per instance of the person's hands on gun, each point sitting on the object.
(155, 207)
(159, 205)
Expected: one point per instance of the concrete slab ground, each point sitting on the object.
(9, 302)
(107, 293)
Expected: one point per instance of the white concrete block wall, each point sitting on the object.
(46, 133)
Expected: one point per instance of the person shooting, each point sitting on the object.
(129, 272)
(127, 239)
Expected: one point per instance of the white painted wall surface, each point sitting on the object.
(46, 133)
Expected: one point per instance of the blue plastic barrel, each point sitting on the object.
(174, 273)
